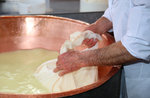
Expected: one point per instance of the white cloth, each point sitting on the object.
(131, 25)
(76, 79)
(76, 39)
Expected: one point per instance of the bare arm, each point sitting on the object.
(102, 25)
(114, 54)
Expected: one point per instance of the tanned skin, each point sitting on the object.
(102, 25)
(114, 54)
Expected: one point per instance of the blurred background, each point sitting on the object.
(51, 6)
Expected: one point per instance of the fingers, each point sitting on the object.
(91, 27)
(61, 64)
(90, 42)
(58, 63)
(93, 41)
(86, 41)
(64, 72)
(108, 37)
(58, 68)
(62, 57)
(67, 71)
(104, 36)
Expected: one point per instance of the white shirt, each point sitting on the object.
(131, 26)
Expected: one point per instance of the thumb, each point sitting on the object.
(104, 36)
(91, 27)
(62, 73)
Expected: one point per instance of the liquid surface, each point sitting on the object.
(17, 68)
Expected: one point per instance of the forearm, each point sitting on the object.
(114, 54)
(102, 25)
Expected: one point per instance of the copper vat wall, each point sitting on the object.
(48, 32)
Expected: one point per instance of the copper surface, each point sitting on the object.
(48, 32)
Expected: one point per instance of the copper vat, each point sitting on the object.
(28, 32)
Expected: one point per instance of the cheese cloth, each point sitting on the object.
(73, 80)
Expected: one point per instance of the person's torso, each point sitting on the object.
(137, 74)
(119, 14)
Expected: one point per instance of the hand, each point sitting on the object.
(69, 62)
(102, 25)
(87, 43)
(90, 42)
(92, 27)
(107, 39)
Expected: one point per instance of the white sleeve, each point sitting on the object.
(107, 14)
(137, 38)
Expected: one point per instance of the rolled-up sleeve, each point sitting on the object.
(137, 38)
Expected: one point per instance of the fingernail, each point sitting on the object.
(103, 35)
(55, 70)
(60, 74)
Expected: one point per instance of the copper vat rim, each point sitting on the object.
(112, 72)
(45, 16)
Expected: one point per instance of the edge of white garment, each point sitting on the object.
(130, 50)
(107, 14)
(137, 38)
